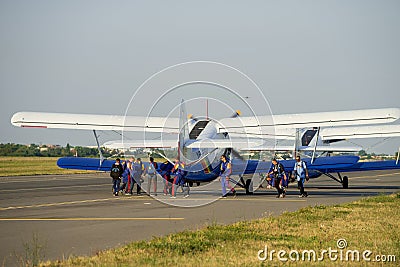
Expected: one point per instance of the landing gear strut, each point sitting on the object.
(247, 185)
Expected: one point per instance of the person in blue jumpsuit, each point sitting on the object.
(225, 172)
(179, 180)
(301, 174)
(125, 177)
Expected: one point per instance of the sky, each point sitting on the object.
(91, 57)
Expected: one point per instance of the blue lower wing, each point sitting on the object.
(239, 167)
(89, 164)
(372, 166)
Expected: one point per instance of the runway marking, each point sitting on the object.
(141, 199)
(374, 176)
(57, 204)
(92, 219)
(53, 187)
(267, 200)
(232, 199)
(22, 179)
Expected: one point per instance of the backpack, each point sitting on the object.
(151, 169)
(114, 173)
(303, 166)
(136, 170)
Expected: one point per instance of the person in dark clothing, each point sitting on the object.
(138, 166)
(116, 174)
(278, 171)
(165, 171)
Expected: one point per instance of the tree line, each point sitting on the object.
(34, 150)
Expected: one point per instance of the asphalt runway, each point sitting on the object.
(77, 214)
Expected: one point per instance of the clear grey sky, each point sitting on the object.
(89, 56)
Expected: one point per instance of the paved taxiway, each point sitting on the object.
(77, 214)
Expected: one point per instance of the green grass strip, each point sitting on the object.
(368, 224)
(17, 166)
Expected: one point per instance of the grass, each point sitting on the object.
(34, 252)
(16, 166)
(371, 223)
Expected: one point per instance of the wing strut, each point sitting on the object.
(162, 155)
(296, 142)
(98, 147)
(315, 146)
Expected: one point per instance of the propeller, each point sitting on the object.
(191, 117)
(237, 113)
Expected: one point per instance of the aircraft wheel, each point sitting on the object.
(345, 182)
(198, 184)
(190, 184)
(248, 184)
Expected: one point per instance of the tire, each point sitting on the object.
(248, 182)
(345, 182)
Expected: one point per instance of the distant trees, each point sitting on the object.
(32, 150)
(18, 150)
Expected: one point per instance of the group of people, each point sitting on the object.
(280, 180)
(126, 175)
(275, 177)
(133, 171)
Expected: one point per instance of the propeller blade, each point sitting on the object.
(237, 113)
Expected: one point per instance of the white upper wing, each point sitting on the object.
(263, 125)
(322, 148)
(266, 125)
(95, 122)
(376, 131)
